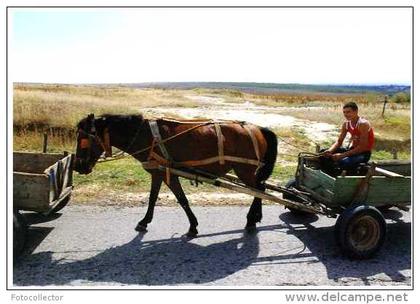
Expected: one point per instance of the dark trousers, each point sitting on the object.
(346, 163)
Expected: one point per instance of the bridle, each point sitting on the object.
(86, 142)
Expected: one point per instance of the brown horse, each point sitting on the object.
(230, 145)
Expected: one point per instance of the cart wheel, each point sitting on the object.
(59, 206)
(360, 231)
(20, 228)
(292, 184)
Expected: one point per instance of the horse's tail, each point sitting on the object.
(270, 156)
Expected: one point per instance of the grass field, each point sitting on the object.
(56, 109)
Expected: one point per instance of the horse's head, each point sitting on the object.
(92, 141)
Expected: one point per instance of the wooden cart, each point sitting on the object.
(42, 182)
(357, 200)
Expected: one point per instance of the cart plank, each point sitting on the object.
(29, 191)
(382, 190)
(34, 162)
(319, 182)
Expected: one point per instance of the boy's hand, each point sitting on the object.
(327, 153)
(338, 156)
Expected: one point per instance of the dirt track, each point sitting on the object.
(266, 116)
(97, 246)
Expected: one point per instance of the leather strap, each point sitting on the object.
(107, 144)
(220, 143)
(157, 160)
(156, 135)
(254, 141)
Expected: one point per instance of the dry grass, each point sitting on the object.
(328, 108)
(58, 108)
(25, 140)
(395, 125)
(62, 106)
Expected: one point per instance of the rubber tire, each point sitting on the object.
(20, 228)
(292, 184)
(342, 233)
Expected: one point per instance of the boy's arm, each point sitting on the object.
(339, 141)
(363, 143)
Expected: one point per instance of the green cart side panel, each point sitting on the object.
(340, 191)
(318, 182)
(382, 190)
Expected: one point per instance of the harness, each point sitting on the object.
(86, 143)
(154, 160)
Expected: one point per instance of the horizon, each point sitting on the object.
(221, 82)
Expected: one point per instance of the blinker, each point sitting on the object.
(84, 143)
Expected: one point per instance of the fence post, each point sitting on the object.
(44, 146)
(385, 102)
(394, 153)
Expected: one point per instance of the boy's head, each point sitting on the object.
(350, 110)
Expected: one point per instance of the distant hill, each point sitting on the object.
(252, 87)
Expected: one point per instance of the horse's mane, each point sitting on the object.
(128, 120)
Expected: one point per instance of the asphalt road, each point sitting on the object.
(97, 246)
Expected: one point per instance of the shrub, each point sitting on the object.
(401, 97)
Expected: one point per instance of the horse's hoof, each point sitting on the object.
(189, 236)
(141, 228)
(192, 233)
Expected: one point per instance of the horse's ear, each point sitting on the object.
(91, 121)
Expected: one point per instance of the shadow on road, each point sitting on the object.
(161, 262)
(394, 256)
(37, 218)
(179, 261)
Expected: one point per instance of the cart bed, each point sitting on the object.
(340, 191)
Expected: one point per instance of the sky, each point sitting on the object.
(280, 45)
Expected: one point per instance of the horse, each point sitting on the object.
(249, 150)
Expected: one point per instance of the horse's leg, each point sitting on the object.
(154, 192)
(247, 175)
(177, 190)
